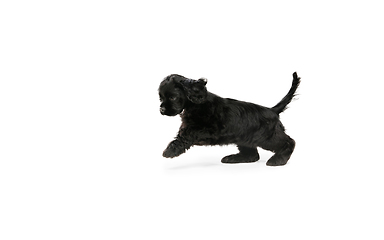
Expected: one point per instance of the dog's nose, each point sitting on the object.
(162, 110)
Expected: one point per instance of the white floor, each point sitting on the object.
(81, 135)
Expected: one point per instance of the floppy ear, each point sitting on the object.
(195, 91)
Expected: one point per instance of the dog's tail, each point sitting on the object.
(282, 105)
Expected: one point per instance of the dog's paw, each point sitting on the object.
(237, 158)
(276, 161)
(174, 149)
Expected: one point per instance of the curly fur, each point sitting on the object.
(208, 119)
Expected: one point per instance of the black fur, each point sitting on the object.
(208, 119)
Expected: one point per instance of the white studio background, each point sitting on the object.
(81, 135)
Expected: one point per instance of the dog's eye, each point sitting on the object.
(173, 98)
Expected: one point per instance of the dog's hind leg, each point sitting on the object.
(283, 151)
(245, 155)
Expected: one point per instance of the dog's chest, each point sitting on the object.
(201, 120)
(189, 119)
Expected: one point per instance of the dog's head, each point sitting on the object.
(176, 92)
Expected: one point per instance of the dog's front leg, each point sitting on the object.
(183, 142)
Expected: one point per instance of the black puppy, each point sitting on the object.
(208, 119)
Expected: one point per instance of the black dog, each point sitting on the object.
(208, 119)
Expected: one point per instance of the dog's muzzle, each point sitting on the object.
(162, 110)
